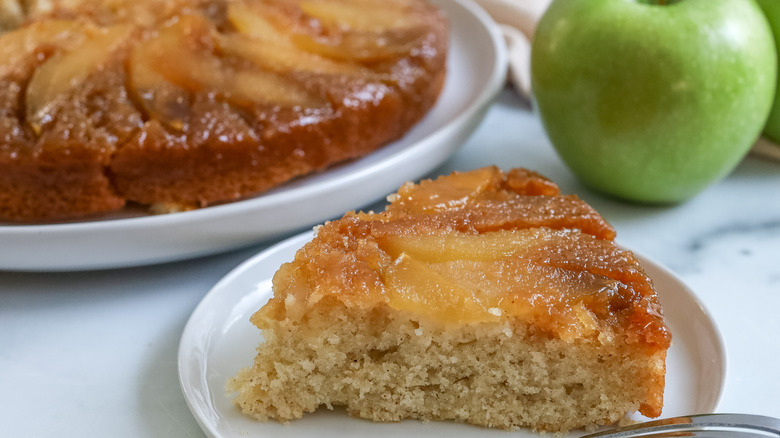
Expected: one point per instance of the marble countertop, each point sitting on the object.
(94, 354)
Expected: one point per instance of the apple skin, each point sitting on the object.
(772, 11)
(653, 103)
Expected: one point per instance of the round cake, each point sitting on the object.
(180, 104)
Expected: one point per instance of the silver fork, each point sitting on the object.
(707, 425)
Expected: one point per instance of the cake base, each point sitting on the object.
(386, 366)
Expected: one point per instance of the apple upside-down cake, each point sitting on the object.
(185, 103)
(483, 297)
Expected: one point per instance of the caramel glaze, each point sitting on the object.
(99, 146)
(474, 247)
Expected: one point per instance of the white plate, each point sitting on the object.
(476, 72)
(219, 340)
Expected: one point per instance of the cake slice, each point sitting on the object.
(483, 297)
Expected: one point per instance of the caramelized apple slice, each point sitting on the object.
(283, 58)
(11, 14)
(26, 41)
(363, 15)
(448, 192)
(45, 6)
(256, 23)
(343, 43)
(180, 61)
(412, 286)
(360, 47)
(51, 83)
(160, 99)
(163, 101)
(186, 57)
(562, 301)
(442, 247)
(261, 41)
(362, 31)
(250, 87)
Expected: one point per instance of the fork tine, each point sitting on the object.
(753, 425)
(639, 433)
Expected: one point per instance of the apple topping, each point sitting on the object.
(161, 100)
(249, 87)
(282, 58)
(67, 70)
(261, 40)
(430, 196)
(409, 283)
(442, 247)
(360, 46)
(436, 275)
(257, 23)
(433, 274)
(181, 60)
(348, 30)
(39, 37)
(11, 14)
(360, 15)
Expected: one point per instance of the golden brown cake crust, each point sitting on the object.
(194, 102)
(482, 296)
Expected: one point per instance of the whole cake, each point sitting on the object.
(483, 297)
(179, 104)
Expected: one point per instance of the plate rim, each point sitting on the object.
(70, 230)
(299, 240)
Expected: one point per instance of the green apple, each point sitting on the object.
(652, 100)
(772, 11)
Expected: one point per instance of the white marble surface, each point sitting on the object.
(93, 354)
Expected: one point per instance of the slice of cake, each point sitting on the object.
(483, 297)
